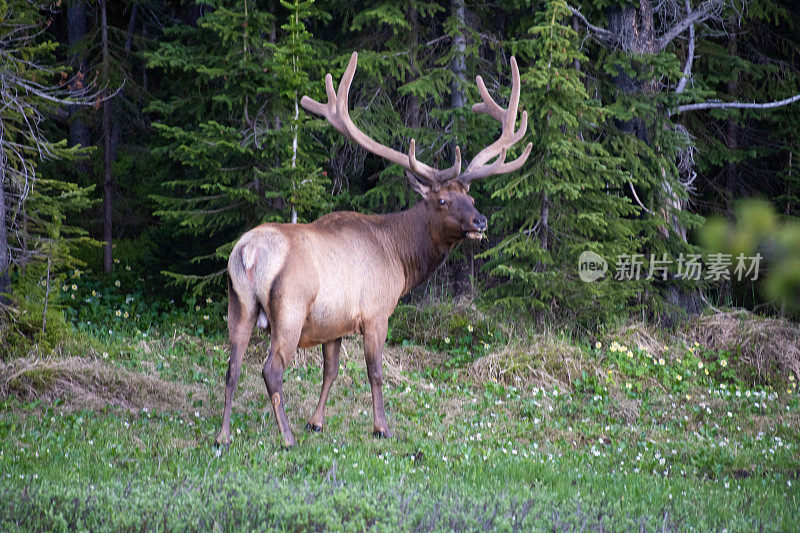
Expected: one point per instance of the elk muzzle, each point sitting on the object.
(478, 228)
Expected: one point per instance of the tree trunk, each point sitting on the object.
(116, 129)
(412, 109)
(273, 27)
(5, 252)
(731, 136)
(144, 64)
(294, 150)
(634, 26)
(78, 130)
(544, 221)
(576, 63)
(108, 183)
(459, 62)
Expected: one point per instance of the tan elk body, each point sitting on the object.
(343, 274)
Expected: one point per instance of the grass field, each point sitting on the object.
(115, 431)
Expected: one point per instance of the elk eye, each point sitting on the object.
(442, 201)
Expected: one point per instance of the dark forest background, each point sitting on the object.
(141, 138)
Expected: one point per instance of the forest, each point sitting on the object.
(646, 253)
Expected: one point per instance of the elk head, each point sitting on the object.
(445, 192)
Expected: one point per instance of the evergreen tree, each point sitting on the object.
(104, 41)
(403, 82)
(570, 197)
(35, 243)
(657, 65)
(236, 150)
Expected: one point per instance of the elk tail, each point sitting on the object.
(241, 267)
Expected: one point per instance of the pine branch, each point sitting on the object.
(735, 105)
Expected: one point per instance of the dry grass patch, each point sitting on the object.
(764, 349)
(544, 360)
(93, 384)
(642, 335)
(623, 407)
(770, 346)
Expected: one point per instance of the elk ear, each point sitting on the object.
(420, 186)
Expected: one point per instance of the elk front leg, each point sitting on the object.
(374, 339)
(330, 371)
(240, 326)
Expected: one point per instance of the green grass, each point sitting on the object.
(708, 452)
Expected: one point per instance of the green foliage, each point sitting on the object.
(125, 304)
(36, 241)
(462, 333)
(709, 457)
(570, 197)
(34, 321)
(237, 153)
(691, 368)
(758, 231)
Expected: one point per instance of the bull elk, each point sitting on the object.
(343, 274)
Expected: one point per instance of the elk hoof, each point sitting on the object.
(382, 434)
(313, 427)
(222, 440)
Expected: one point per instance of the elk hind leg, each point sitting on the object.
(330, 371)
(374, 339)
(283, 345)
(242, 317)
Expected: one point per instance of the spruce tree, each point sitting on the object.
(570, 197)
(236, 151)
(36, 244)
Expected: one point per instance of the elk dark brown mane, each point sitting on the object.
(343, 274)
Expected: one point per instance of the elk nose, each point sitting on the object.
(480, 222)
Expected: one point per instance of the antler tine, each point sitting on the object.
(316, 107)
(487, 170)
(513, 101)
(488, 106)
(478, 167)
(343, 94)
(415, 166)
(452, 172)
(329, 89)
(338, 115)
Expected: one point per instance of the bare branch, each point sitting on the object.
(703, 12)
(735, 105)
(687, 69)
(601, 34)
(636, 197)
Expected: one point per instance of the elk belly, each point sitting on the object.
(262, 319)
(327, 322)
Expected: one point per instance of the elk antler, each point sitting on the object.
(478, 167)
(337, 113)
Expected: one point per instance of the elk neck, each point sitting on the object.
(417, 241)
